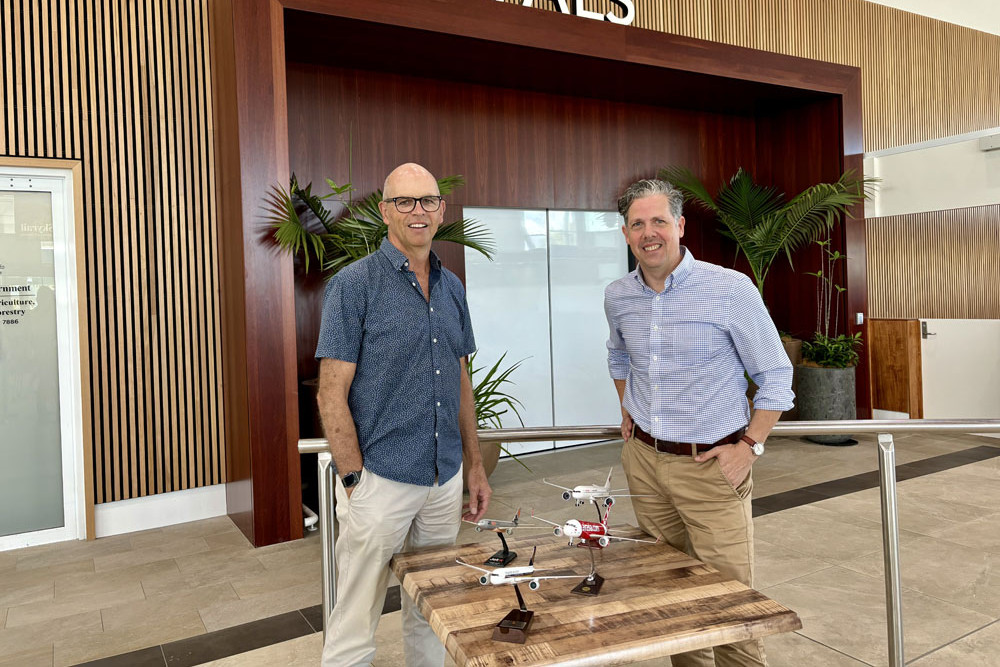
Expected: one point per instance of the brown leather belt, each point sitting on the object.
(683, 448)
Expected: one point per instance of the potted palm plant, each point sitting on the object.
(826, 376)
(492, 401)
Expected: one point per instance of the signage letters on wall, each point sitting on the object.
(564, 6)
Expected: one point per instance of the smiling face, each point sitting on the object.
(411, 232)
(654, 237)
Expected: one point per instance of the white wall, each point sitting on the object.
(981, 15)
(934, 176)
(961, 369)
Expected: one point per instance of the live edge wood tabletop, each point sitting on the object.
(655, 601)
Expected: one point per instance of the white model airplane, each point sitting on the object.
(588, 533)
(514, 575)
(498, 525)
(592, 492)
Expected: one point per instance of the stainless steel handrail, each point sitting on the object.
(887, 484)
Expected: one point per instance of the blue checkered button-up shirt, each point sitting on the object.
(683, 352)
(405, 393)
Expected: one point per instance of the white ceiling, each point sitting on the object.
(981, 15)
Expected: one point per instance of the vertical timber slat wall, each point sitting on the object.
(923, 78)
(125, 87)
(939, 264)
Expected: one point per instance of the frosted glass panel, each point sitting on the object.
(587, 251)
(31, 478)
(509, 302)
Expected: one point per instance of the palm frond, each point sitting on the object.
(692, 187)
(470, 233)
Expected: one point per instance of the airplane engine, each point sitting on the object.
(566, 495)
(509, 531)
(484, 580)
(609, 501)
(534, 584)
(479, 529)
(557, 531)
(603, 541)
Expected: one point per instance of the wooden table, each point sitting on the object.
(656, 601)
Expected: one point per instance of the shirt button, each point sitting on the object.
(656, 419)
(439, 404)
(414, 284)
(655, 327)
(434, 339)
(654, 357)
(437, 372)
(655, 387)
(432, 309)
(435, 434)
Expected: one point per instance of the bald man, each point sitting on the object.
(397, 408)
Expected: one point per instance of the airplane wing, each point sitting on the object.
(551, 523)
(632, 539)
(564, 488)
(481, 569)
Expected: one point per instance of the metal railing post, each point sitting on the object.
(890, 547)
(327, 527)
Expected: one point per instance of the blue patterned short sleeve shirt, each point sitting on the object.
(405, 395)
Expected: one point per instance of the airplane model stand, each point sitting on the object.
(592, 584)
(502, 557)
(514, 626)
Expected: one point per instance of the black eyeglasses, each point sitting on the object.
(429, 203)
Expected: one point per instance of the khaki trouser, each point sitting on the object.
(382, 518)
(695, 509)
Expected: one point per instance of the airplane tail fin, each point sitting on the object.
(607, 484)
(517, 516)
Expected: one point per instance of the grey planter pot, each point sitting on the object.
(826, 394)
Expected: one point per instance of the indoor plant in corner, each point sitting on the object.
(492, 402)
(826, 387)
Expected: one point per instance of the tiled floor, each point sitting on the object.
(189, 594)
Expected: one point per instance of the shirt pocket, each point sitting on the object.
(697, 342)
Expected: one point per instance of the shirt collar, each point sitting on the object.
(676, 277)
(399, 261)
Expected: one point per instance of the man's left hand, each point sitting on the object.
(735, 461)
(479, 495)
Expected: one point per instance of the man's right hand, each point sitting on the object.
(626, 425)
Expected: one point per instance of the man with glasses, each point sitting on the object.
(683, 335)
(397, 408)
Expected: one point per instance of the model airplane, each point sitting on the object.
(591, 492)
(589, 533)
(497, 525)
(514, 575)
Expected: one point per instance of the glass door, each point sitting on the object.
(41, 435)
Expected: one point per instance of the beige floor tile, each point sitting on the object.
(43, 575)
(270, 581)
(34, 657)
(24, 593)
(775, 564)
(228, 539)
(65, 553)
(156, 608)
(150, 554)
(845, 611)
(205, 569)
(236, 612)
(8, 560)
(982, 533)
(74, 650)
(794, 650)
(820, 533)
(215, 527)
(44, 633)
(978, 649)
(70, 587)
(306, 554)
(965, 577)
(229, 557)
(3, 617)
(107, 594)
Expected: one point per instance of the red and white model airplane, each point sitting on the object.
(591, 492)
(589, 533)
(514, 575)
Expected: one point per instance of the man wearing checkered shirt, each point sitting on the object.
(683, 333)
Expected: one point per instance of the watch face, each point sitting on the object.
(351, 479)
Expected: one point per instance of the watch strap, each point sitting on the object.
(351, 479)
(756, 447)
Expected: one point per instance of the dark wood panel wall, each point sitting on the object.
(125, 88)
(516, 149)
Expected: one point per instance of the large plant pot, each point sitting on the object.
(826, 394)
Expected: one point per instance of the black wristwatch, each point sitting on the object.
(351, 479)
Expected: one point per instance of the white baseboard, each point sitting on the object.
(163, 509)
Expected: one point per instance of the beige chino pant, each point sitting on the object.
(695, 509)
(382, 518)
